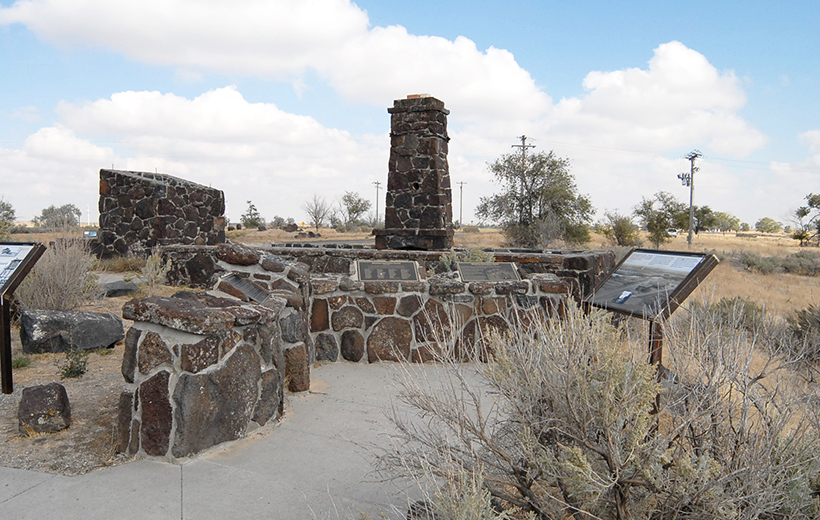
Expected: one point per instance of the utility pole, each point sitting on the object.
(460, 202)
(688, 179)
(377, 183)
(523, 147)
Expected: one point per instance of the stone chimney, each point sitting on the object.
(418, 211)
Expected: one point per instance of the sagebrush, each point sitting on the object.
(63, 278)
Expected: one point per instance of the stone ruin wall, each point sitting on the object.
(140, 210)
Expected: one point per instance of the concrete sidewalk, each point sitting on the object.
(316, 464)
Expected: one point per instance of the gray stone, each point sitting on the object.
(326, 347)
(236, 254)
(216, 407)
(153, 352)
(347, 318)
(352, 345)
(124, 415)
(297, 368)
(443, 285)
(187, 315)
(293, 327)
(390, 340)
(299, 272)
(273, 264)
(43, 409)
(63, 331)
(129, 357)
(119, 288)
(271, 398)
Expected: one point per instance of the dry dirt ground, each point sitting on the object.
(89, 443)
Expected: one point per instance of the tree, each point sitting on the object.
(807, 221)
(620, 230)
(538, 202)
(352, 207)
(767, 225)
(53, 217)
(7, 216)
(744, 226)
(251, 218)
(658, 214)
(705, 219)
(726, 222)
(318, 211)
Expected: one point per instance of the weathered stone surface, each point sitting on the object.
(323, 286)
(281, 284)
(381, 287)
(347, 318)
(198, 356)
(481, 288)
(366, 305)
(389, 340)
(443, 285)
(497, 305)
(273, 264)
(119, 288)
(291, 299)
(293, 328)
(270, 345)
(336, 302)
(155, 428)
(299, 272)
(326, 347)
(199, 270)
(129, 357)
(124, 414)
(475, 333)
(182, 314)
(426, 353)
(43, 409)
(297, 368)
(520, 287)
(153, 352)
(352, 345)
(271, 398)
(217, 406)
(319, 317)
(236, 254)
(385, 305)
(62, 331)
(432, 323)
(348, 284)
(551, 284)
(414, 286)
(408, 305)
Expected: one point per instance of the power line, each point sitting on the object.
(460, 202)
(688, 179)
(377, 183)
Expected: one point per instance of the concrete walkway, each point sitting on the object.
(316, 464)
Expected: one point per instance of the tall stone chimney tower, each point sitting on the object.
(418, 211)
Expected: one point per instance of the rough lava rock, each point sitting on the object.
(44, 409)
(62, 331)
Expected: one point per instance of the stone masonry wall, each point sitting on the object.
(140, 210)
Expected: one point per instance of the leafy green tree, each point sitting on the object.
(353, 207)
(251, 217)
(7, 216)
(767, 225)
(744, 226)
(659, 214)
(538, 202)
(705, 219)
(53, 217)
(807, 222)
(620, 230)
(726, 222)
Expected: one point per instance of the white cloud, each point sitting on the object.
(811, 139)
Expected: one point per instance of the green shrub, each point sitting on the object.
(20, 362)
(75, 364)
(756, 262)
(470, 229)
(736, 313)
(806, 263)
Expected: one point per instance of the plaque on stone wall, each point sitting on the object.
(246, 287)
(651, 284)
(488, 272)
(387, 271)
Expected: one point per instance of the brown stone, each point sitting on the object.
(520, 287)
(497, 305)
(124, 415)
(283, 285)
(414, 286)
(153, 352)
(178, 313)
(432, 323)
(200, 355)
(155, 429)
(348, 284)
(299, 272)
(473, 338)
(441, 285)
(352, 345)
(271, 398)
(216, 406)
(236, 254)
(43, 409)
(129, 357)
(381, 287)
(408, 305)
(297, 368)
(461, 314)
(385, 305)
(366, 305)
(426, 353)
(323, 286)
(291, 299)
(348, 317)
(336, 302)
(273, 264)
(481, 288)
(319, 320)
(390, 340)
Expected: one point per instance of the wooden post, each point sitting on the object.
(656, 343)
(5, 345)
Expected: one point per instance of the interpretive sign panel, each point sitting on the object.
(16, 260)
(652, 284)
(387, 271)
(248, 288)
(488, 272)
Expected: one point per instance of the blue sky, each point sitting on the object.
(273, 101)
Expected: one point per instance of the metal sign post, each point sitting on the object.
(16, 260)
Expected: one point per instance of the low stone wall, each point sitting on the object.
(201, 370)
(140, 210)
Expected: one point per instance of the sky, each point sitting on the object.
(274, 101)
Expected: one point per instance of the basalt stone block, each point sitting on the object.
(433, 323)
(347, 318)
(299, 272)
(319, 316)
(198, 356)
(323, 286)
(336, 302)
(481, 288)
(520, 287)
(153, 352)
(273, 264)
(326, 347)
(352, 345)
(348, 284)
(408, 305)
(442, 285)
(155, 428)
(182, 314)
(475, 333)
(271, 398)
(292, 327)
(201, 268)
(43, 409)
(414, 286)
(62, 331)
(119, 288)
(297, 368)
(381, 287)
(129, 357)
(217, 406)
(236, 254)
(385, 305)
(281, 284)
(124, 415)
(366, 305)
(390, 340)
(497, 305)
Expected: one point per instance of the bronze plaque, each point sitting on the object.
(488, 272)
(385, 271)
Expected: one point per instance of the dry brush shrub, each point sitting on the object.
(571, 429)
(155, 271)
(62, 279)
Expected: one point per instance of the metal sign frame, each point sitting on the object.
(12, 273)
(365, 268)
(469, 274)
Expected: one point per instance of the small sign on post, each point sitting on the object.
(16, 260)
